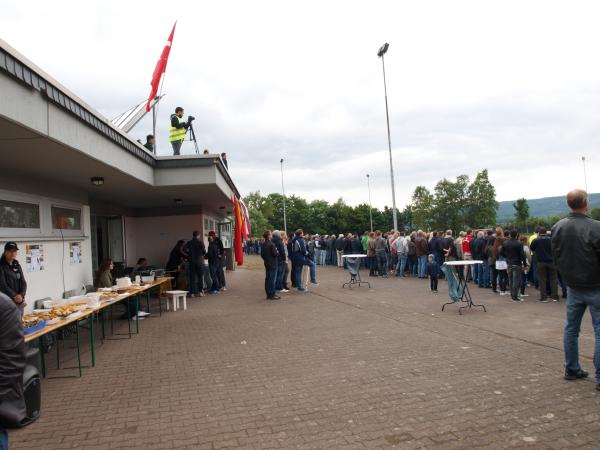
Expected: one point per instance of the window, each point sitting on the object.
(19, 215)
(66, 218)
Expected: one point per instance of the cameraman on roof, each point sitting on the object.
(178, 129)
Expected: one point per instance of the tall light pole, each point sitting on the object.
(283, 191)
(370, 207)
(584, 173)
(382, 51)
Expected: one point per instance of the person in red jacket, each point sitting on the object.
(466, 250)
(466, 244)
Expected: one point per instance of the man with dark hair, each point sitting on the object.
(282, 261)
(422, 250)
(177, 130)
(150, 141)
(542, 246)
(12, 360)
(300, 257)
(380, 254)
(196, 251)
(436, 248)
(513, 252)
(215, 262)
(270, 258)
(576, 251)
(477, 247)
(224, 159)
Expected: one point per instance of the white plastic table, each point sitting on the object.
(353, 263)
(462, 283)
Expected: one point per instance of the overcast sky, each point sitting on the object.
(510, 86)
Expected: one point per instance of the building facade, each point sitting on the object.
(75, 190)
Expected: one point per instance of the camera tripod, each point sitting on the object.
(193, 137)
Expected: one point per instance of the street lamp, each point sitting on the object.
(283, 191)
(584, 173)
(370, 207)
(382, 51)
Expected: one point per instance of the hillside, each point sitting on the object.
(542, 207)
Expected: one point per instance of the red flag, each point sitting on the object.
(160, 68)
(237, 229)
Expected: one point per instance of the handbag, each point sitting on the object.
(501, 264)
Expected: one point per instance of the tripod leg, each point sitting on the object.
(193, 138)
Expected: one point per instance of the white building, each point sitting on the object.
(72, 182)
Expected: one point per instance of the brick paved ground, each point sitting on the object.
(328, 369)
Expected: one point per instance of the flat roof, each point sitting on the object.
(25, 71)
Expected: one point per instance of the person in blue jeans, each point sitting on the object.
(422, 248)
(422, 261)
(270, 257)
(576, 247)
(299, 255)
(282, 264)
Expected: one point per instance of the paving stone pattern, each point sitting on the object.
(331, 368)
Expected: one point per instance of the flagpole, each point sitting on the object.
(154, 125)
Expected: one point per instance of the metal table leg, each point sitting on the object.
(42, 357)
(91, 330)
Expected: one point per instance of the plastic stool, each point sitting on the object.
(175, 297)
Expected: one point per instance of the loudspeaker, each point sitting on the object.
(21, 411)
(32, 393)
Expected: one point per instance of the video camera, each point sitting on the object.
(190, 118)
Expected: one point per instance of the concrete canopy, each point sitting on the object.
(48, 135)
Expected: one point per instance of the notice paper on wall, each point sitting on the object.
(34, 257)
(75, 253)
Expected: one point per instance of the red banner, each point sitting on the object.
(161, 67)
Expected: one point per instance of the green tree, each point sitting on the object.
(481, 204)
(453, 204)
(595, 213)
(260, 210)
(317, 220)
(449, 203)
(422, 207)
(521, 212)
(258, 222)
(406, 218)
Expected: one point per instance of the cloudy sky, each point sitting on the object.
(510, 86)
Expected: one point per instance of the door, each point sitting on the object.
(116, 247)
(225, 230)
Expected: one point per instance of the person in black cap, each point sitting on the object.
(12, 280)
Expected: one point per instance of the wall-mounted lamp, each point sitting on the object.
(97, 181)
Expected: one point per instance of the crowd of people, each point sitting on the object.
(510, 262)
(279, 253)
(566, 257)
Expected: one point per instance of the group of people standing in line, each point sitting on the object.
(276, 251)
(510, 262)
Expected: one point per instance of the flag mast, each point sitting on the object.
(158, 76)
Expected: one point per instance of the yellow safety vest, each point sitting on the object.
(177, 134)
